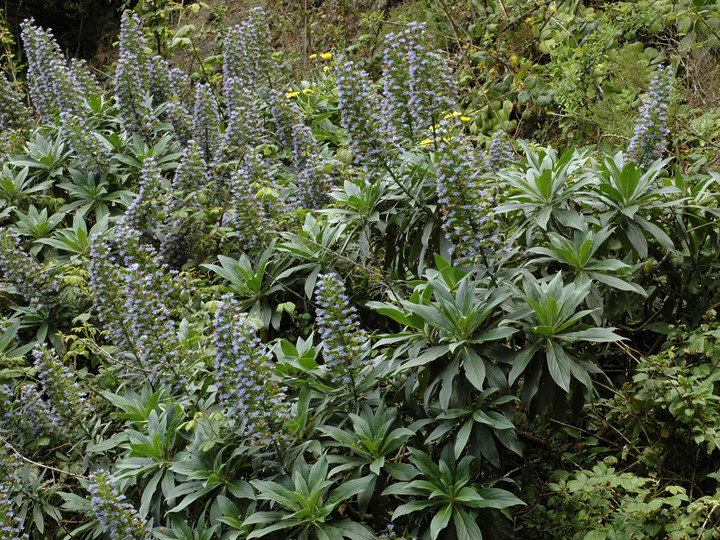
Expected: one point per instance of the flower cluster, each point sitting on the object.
(418, 86)
(249, 216)
(343, 340)
(313, 183)
(86, 81)
(135, 296)
(142, 214)
(180, 119)
(29, 277)
(52, 82)
(649, 141)
(30, 412)
(12, 111)
(244, 128)
(359, 105)
(58, 384)
(248, 55)
(245, 374)
(119, 520)
(166, 83)
(11, 524)
(206, 121)
(500, 153)
(464, 205)
(133, 78)
(391, 534)
(285, 115)
(90, 153)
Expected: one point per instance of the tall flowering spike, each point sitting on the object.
(250, 216)
(86, 81)
(91, 154)
(313, 183)
(135, 296)
(52, 83)
(343, 340)
(166, 82)
(119, 519)
(418, 86)
(359, 106)
(245, 374)
(244, 126)
(142, 214)
(248, 54)
(206, 121)
(190, 175)
(500, 153)
(304, 144)
(649, 141)
(38, 416)
(13, 112)
(181, 120)
(465, 208)
(11, 524)
(29, 277)
(285, 115)
(60, 387)
(133, 79)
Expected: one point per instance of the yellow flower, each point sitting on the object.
(313, 56)
(326, 56)
(326, 69)
(451, 115)
(465, 118)
(292, 94)
(426, 142)
(308, 91)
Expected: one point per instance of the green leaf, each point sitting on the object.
(440, 521)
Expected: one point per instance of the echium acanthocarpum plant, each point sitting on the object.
(90, 153)
(313, 182)
(418, 86)
(13, 113)
(250, 216)
(649, 140)
(24, 409)
(11, 523)
(244, 127)
(285, 115)
(143, 213)
(31, 279)
(52, 82)
(359, 105)
(245, 374)
(59, 385)
(465, 206)
(500, 152)
(343, 341)
(137, 298)
(190, 177)
(248, 56)
(133, 81)
(206, 121)
(117, 517)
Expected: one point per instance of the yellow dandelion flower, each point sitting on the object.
(464, 118)
(313, 56)
(326, 56)
(308, 91)
(426, 142)
(451, 115)
(326, 69)
(292, 94)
